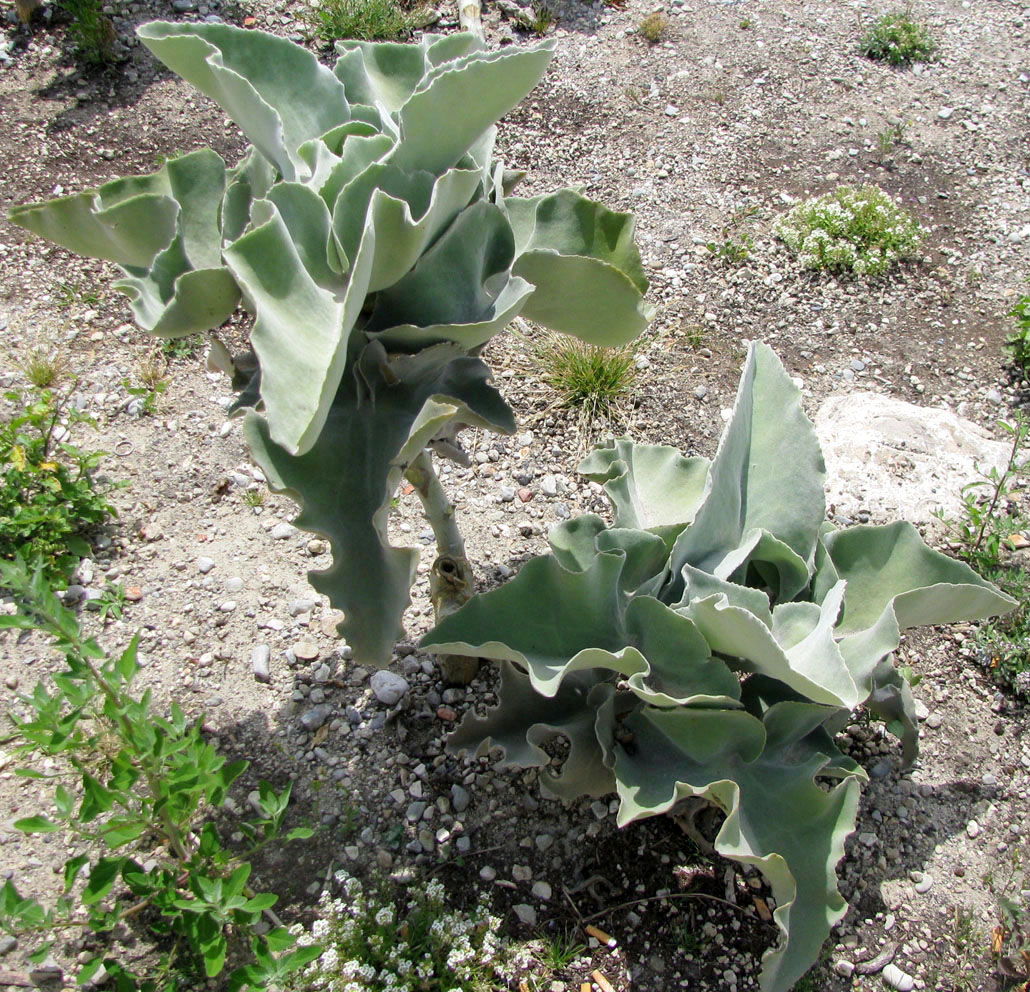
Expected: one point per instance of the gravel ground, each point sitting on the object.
(742, 109)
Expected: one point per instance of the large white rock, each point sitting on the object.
(899, 461)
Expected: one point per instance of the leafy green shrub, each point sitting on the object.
(365, 20)
(48, 500)
(897, 39)
(1018, 341)
(703, 649)
(586, 376)
(134, 802)
(91, 31)
(850, 230)
(385, 940)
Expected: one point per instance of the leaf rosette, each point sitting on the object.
(708, 643)
(374, 237)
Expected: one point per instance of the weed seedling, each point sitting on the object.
(539, 20)
(898, 40)
(653, 28)
(44, 368)
(1018, 342)
(731, 251)
(889, 137)
(560, 950)
(253, 497)
(175, 349)
(70, 294)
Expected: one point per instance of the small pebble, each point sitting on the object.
(259, 662)
(388, 687)
(973, 829)
(526, 914)
(895, 978)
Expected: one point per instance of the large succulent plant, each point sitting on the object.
(374, 236)
(708, 643)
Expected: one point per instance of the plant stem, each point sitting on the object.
(1019, 435)
(451, 581)
(436, 505)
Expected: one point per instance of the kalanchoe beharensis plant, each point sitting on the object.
(705, 648)
(374, 237)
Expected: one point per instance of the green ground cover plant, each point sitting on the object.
(91, 31)
(852, 229)
(363, 20)
(134, 797)
(381, 937)
(49, 500)
(654, 27)
(590, 378)
(897, 39)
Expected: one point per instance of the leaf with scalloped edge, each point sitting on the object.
(762, 774)
(278, 93)
(345, 480)
(524, 720)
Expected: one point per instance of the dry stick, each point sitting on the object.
(672, 895)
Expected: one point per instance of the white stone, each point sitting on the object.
(895, 978)
(387, 687)
(897, 460)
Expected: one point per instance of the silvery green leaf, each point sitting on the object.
(406, 212)
(303, 327)
(461, 289)
(278, 93)
(761, 773)
(344, 481)
(484, 85)
(587, 271)
(650, 485)
(524, 720)
(766, 479)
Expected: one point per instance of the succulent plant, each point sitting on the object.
(708, 643)
(375, 238)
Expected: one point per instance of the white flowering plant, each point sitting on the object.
(376, 940)
(851, 229)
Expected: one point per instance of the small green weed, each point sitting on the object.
(91, 30)
(71, 294)
(898, 40)
(540, 19)
(889, 138)
(404, 940)
(860, 230)
(363, 20)
(730, 250)
(992, 520)
(44, 368)
(1018, 342)
(745, 23)
(111, 603)
(654, 27)
(253, 497)
(48, 501)
(559, 950)
(586, 376)
(695, 336)
(177, 349)
(137, 790)
(146, 394)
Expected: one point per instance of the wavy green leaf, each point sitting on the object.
(762, 774)
(278, 93)
(344, 481)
